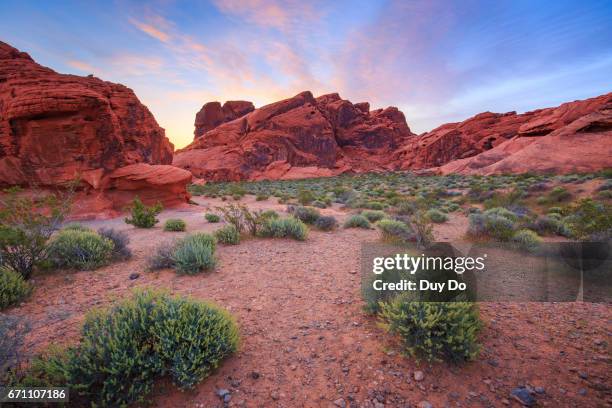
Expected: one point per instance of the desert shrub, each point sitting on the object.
(326, 223)
(27, 222)
(162, 257)
(120, 239)
(421, 226)
(357, 221)
(374, 205)
(513, 197)
(558, 194)
(490, 225)
(436, 216)
(319, 204)
(175, 224)
(195, 253)
(13, 288)
(395, 231)
(589, 219)
(125, 348)
(261, 197)
(550, 224)
(143, 216)
(434, 330)
(373, 215)
(307, 215)
(305, 197)
(267, 214)
(13, 331)
(527, 240)
(212, 217)
(555, 210)
(75, 226)
(406, 207)
(502, 212)
(228, 235)
(284, 228)
(80, 249)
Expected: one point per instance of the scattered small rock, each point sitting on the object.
(424, 404)
(340, 403)
(583, 375)
(523, 396)
(222, 392)
(539, 390)
(134, 275)
(582, 392)
(255, 375)
(419, 376)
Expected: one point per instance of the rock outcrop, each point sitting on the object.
(55, 127)
(298, 137)
(573, 137)
(213, 114)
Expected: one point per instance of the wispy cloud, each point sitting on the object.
(156, 27)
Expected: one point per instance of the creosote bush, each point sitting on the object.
(357, 221)
(395, 231)
(143, 216)
(527, 240)
(326, 223)
(175, 225)
(13, 288)
(373, 215)
(195, 253)
(434, 331)
(491, 225)
(124, 349)
(436, 216)
(80, 249)
(210, 217)
(228, 235)
(284, 228)
(307, 215)
(27, 221)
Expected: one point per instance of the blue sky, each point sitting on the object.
(437, 60)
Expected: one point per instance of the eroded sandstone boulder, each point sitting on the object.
(213, 114)
(56, 127)
(295, 137)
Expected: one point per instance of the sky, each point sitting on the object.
(439, 61)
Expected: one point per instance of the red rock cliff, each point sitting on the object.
(297, 137)
(54, 127)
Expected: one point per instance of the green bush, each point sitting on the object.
(261, 197)
(75, 226)
(305, 197)
(406, 207)
(357, 221)
(394, 231)
(527, 240)
(228, 235)
(174, 224)
(13, 288)
(195, 253)
(142, 215)
(490, 225)
(126, 348)
(307, 215)
(80, 249)
(502, 212)
(27, 222)
(373, 215)
(212, 217)
(436, 216)
(374, 205)
(326, 223)
(284, 228)
(589, 219)
(434, 330)
(558, 194)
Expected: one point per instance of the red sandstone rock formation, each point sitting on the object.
(55, 127)
(575, 136)
(213, 114)
(298, 137)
